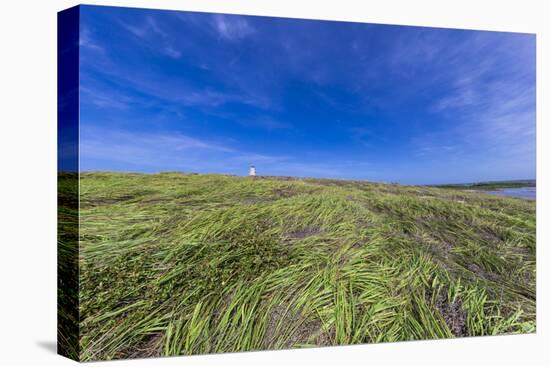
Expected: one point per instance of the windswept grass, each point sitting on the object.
(175, 264)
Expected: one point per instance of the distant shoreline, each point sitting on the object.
(490, 186)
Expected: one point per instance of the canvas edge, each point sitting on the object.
(68, 316)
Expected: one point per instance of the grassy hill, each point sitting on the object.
(176, 264)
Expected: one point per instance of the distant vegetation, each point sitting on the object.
(176, 264)
(491, 185)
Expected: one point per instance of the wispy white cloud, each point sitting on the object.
(157, 150)
(172, 52)
(495, 126)
(86, 41)
(178, 90)
(152, 35)
(104, 98)
(155, 27)
(163, 151)
(463, 94)
(259, 159)
(266, 122)
(211, 98)
(139, 31)
(169, 88)
(232, 27)
(486, 108)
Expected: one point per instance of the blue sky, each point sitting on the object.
(212, 93)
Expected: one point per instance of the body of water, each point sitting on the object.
(518, 192)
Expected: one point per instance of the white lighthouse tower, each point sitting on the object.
(252, 171)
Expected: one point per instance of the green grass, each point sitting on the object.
(175, 264)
